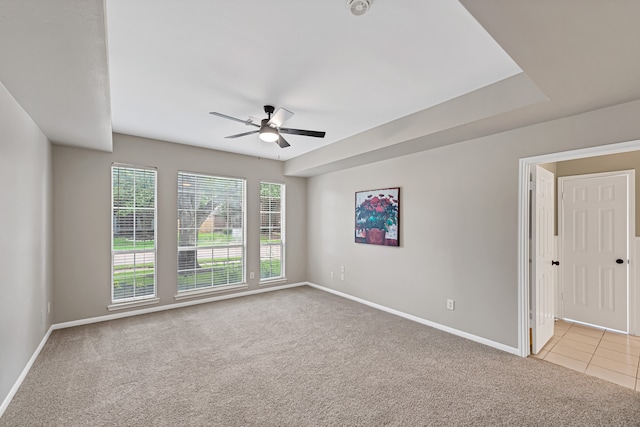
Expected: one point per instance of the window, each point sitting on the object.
(271, 231)
(211, 241)
(133, 237)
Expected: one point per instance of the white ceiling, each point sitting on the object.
(172, 62)
(380, 85)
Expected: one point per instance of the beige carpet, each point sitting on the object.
(298, 357)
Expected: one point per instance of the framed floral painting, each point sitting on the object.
(378, 217)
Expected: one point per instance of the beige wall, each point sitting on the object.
(609, 163)
(26, 239)
(551, 167)
(82, 217)
(458, 213)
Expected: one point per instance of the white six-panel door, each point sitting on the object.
(594, 236)
(542, 289)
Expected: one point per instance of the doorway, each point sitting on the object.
(525, 318)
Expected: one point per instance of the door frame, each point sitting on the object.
(631, 233)
(524, 205)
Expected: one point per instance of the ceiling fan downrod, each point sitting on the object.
(269, 109)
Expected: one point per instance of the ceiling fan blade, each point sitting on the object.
(224, 116)
(280, 116)
(283, 142)
(313, 133)
(257, 121)
(242, 134)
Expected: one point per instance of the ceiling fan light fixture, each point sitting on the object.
(269, 134)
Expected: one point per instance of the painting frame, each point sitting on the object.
(377, 216)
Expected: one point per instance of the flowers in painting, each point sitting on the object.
(377, 211)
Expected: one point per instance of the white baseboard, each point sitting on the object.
(481, 340)
(24, 373)
(90, 320)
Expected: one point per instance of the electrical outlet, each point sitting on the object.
(451, 304)
(342, 269)
(341, 276)
(252, 275)
(331, 274)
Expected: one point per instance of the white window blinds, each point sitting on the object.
(211, 231)
(271, 231)
(133, 237)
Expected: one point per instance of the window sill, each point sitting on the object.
(271, 282)
(132, 304)
(208, 291)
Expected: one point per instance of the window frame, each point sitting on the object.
(182, 293)
(282, 244)
(142, 298)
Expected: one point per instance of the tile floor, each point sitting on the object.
(604, 354)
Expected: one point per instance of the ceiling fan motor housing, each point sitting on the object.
(268, 133)
(358, 7)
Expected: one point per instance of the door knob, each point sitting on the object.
(619, 261)
(555, 262)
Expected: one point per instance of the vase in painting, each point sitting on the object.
(375, 236)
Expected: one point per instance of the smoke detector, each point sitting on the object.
(358, 7)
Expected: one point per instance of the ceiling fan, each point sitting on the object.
(269, 128)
